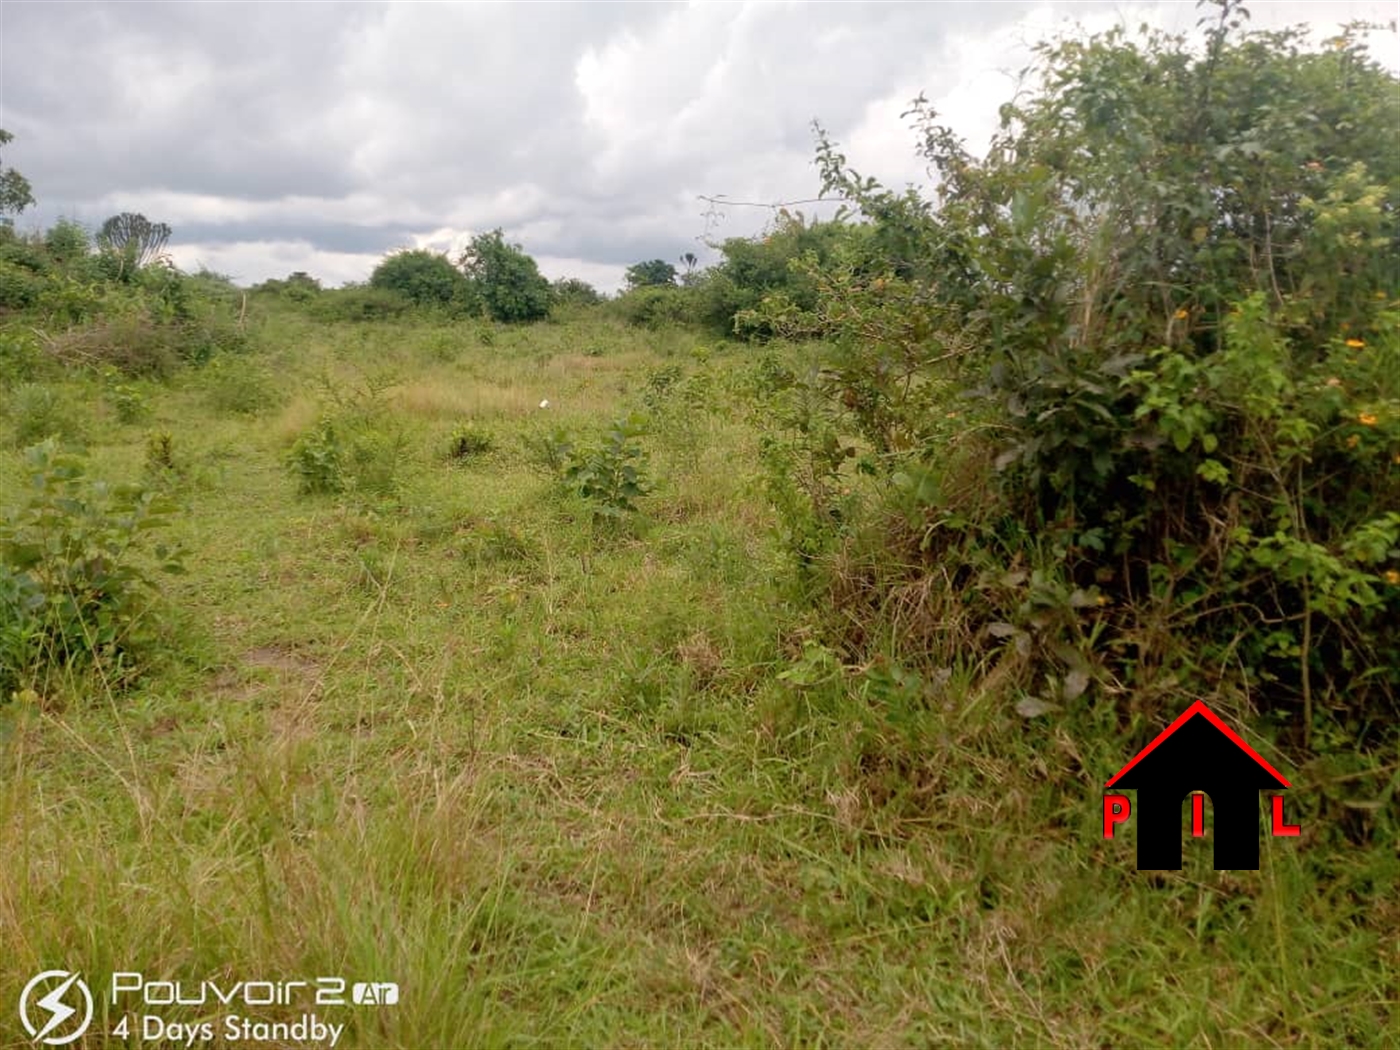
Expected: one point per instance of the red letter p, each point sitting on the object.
(1116, 809)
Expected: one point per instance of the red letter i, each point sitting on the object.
(1198, 815)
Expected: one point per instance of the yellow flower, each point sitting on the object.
(1380, 295)
(1181, 315)
(1366, 419)
(1356, 344)
(1353, 441)
(1392, 577)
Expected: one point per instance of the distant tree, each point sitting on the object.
(67, 241)
(15, 194)
(651, 272)
(571, 291)
(754, 268)
(506, 279)
(692, 274)
(422, 277)
(134, 237)
(301, 286)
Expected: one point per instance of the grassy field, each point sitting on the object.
(553, 774)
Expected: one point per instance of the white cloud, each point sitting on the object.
(249, 262)
(318, 136)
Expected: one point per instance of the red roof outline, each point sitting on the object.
(1199, 708)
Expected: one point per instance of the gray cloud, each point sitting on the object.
(279, 136)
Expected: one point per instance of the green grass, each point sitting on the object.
(540, 769)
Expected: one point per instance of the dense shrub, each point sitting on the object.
(357, 446)
(468, 441)
(39, 411)
(67, 241)
(753, 269)
(1120, 411)
(656, 306)
(610, 473)
(507, 280)
(240, 387)
(19, 286)
(570, 291)
(22, 357)
(76, 579)
(298, 286)
(424, 278)
(359, 303)
(318, 460)
(28, 253)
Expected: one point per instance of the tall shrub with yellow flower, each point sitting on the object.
(1169, 294)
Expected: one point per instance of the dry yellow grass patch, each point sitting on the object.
(295, 418)
(441, 399)
(573, 364)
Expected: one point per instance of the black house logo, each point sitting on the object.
(1198, 755)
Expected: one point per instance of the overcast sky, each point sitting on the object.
(298, 136)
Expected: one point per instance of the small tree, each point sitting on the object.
(66, 241)
(651, 272)
(301, 286)
(507, 280)
(691, 275)
(570, 291)
(424, 278)
(15, 194)
(134, 237)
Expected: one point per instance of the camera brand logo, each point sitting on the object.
(1197, 755)
(52, 993)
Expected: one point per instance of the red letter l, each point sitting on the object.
(1280, 828)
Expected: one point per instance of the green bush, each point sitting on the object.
(127, 401)
(200, 342)
(38, 411)
(359, 303)
(424, 278)
(777, 264)
(20, 288)
(609, 474)
(22, 357)
(656, 306)
(160, 453)
(318, 460)
(239, 387)
(27, 253)
(468, 441)
(376, 453)
(507, 281)
(573, 292)
(67, 241)
(76, 583)
(353, 449)
(1124, 402)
